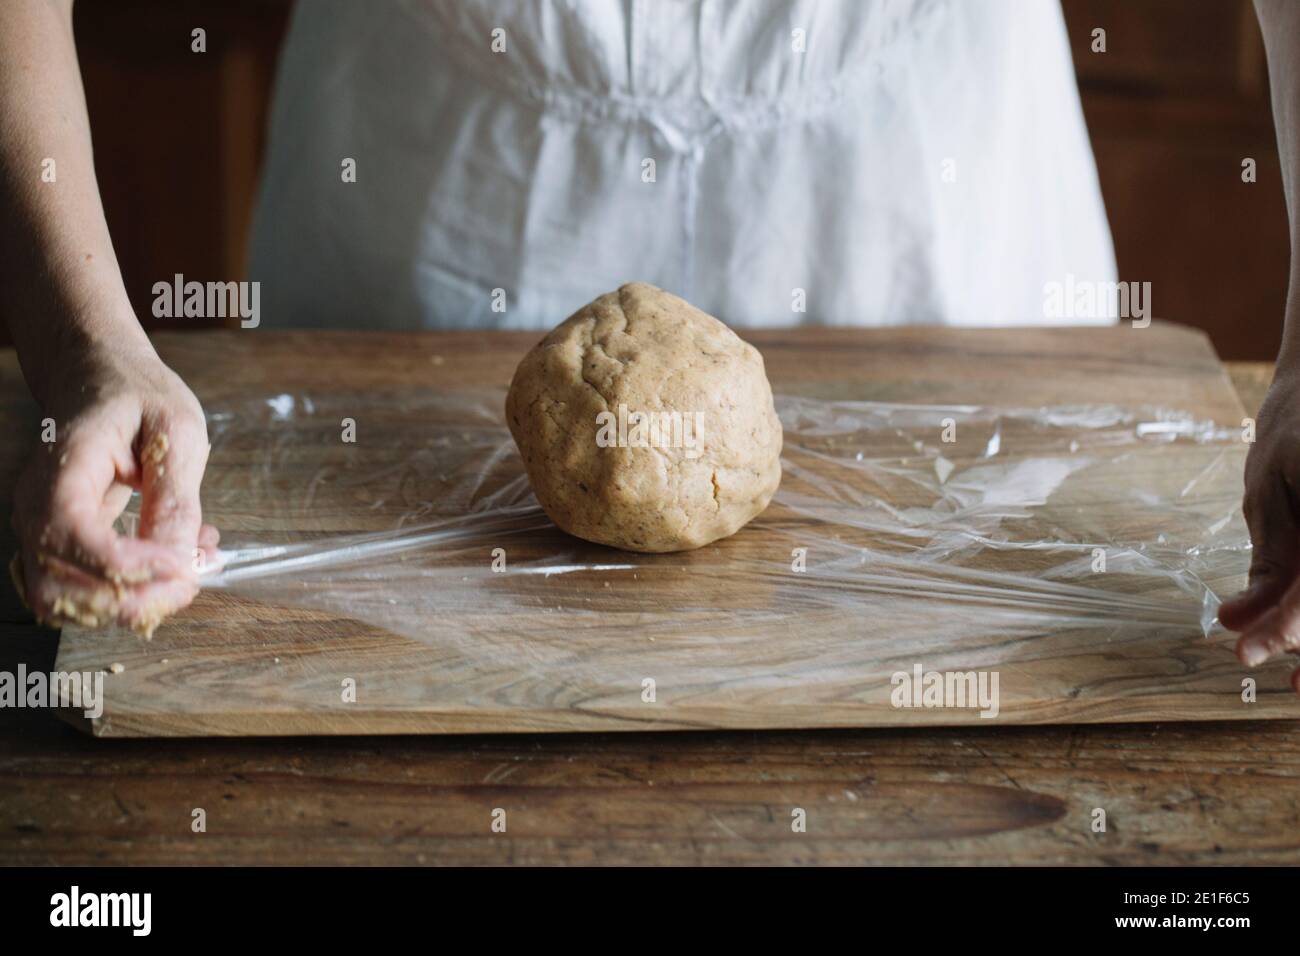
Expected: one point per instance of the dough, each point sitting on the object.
(646, 424)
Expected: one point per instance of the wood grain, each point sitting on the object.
(231, 665)
(1175, 793)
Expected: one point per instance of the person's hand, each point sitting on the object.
(123, 421)
(1267, 612)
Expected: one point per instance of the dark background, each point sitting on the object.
(1176, 103)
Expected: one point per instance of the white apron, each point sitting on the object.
(776, 162)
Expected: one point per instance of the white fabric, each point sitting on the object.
(775, 170)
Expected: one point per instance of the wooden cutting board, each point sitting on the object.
(232, 665)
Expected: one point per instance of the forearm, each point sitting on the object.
(60, 286)
(1279, 21)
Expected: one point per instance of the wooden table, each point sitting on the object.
(1173, 793)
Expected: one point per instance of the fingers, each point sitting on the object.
(171, 462)
(72, 565)
(115, 502)
(1274, 632)
(209, 538)
(62, 511)
(1275, 553)
(59, 593)
(1239, 612)
(207, 556)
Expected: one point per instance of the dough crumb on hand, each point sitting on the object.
(154, 453)
(646, 424)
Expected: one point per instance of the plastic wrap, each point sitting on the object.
(1028, 522)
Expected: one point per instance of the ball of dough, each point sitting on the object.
(646, 424)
